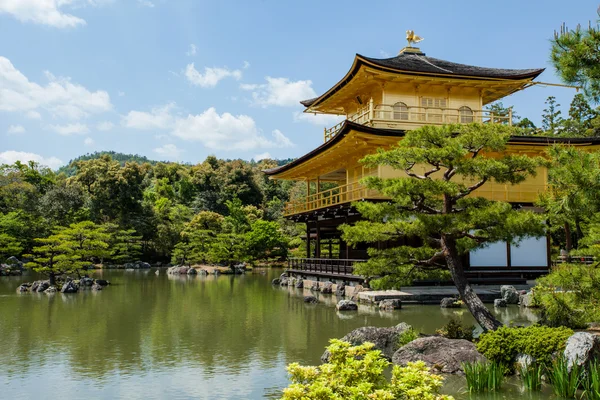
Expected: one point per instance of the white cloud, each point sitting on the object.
(89, 142)
(318, 119)
(11, 156)
(105, 126)
(60, 96)
(70, 129)
(158, 118)
(280, 92)
(146, 3)
(226, 132)
(246, 65)
(15, 129)
(45, 12)
(262, 156)
(211, 76)
(192, 51)
(169, 151)
(33, 115)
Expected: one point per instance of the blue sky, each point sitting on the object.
(181, 79)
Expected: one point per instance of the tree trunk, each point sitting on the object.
(568, 239)
(52, 279)
(479, 311)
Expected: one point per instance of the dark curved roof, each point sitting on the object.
(348, 126)
(418, 63)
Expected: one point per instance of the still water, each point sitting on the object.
(166, 337)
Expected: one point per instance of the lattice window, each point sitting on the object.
(400, 111)
(466, 115)
(434, 102)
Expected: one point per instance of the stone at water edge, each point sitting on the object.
(385, 339)
(85, 281)
(283, 281)
(346, 305)
(357, 290)
(327, 288)
(51, 290)
(441, 354)
(102, 282)
(449, 302)
(299, 283)
(526, 300)
(390, 304)
(192, 271)
(157, 272)
(340, 290)
(69, 287)
(291, 281)
(43, 286)
(523, 361)
(314, 287)
(96, 287)
(510, 294)
(499, 303)
(581, 348)
(23, 288)
(310, 299)
(275, 281)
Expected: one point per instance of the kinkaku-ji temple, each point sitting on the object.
(381, 99)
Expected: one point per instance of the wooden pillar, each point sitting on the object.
(330, 248)
(307, 194)
(318, 241)
(347, 245)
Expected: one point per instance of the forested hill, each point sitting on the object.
(122, 158)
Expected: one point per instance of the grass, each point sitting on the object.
(484, 376)
(531, 376)
(564, 382)
(591, 385)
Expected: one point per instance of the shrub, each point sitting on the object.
(591, 384)
(540, 342)
(357, 372)
(454, 330)
(569, 295)
(407, 336)
(482, 376)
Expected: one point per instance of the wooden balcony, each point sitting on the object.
(332, 267)
(331, 197)
(390, 116)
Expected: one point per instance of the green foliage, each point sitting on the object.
(265, 239)
(9, 246)
(569, 295)
(125, 245)
(484, 376)
(566, 379)
(407, 336)
(551, 118)
(357, 372)
(53, 257)
(591, 382)
(531, 376)
(540, 342)
(454, 330)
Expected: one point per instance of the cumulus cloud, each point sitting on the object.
(280, 92)
(318, 119)
(262, 156)
(11, 156)
(158, 118)
(169, 151)
(192, 50)
(226, 132)
(89, 142)
(48, 12)
(61, 97)
(211, 76)
(146, 3)
(105, 126)
(70, 129)
(15, 129)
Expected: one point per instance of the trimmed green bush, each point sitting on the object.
(540, 342)
(357, 372)
(407, 336)
(454, 330)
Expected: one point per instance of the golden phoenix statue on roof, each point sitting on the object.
(412, 38)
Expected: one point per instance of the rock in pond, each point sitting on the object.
(276, 281)
(314, 287)
(85, 281)
(509, 294)
(102, 282)
(441, 354)
(526, 300)
(96, 287)
(340, 290)
(310, 299)
(499, 303)
(299, 283)
(283, 281)
(346, 305)
(178, 270)
(581, 348)
(327, 288)
(23, 288)
(192, 271)
(385, 339)
(449, 302)
(51, 290)
(390, 304)
(69, 287)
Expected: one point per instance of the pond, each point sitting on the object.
(159, 337)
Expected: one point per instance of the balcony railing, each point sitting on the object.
(332, 266)
(338, 195)
(401, 117)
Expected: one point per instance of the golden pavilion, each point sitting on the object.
(381, 99)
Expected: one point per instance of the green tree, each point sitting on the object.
(437, 203)
(197, 237)
(551, 118)
(501, 113)
(228, 249)
(265, 239)
(86, 240)
(9, 246)
(54, 257)
(125, 245)
(575, 54)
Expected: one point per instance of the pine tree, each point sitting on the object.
(437, 203)
(551, 118)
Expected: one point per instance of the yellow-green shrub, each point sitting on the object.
(356, 372)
